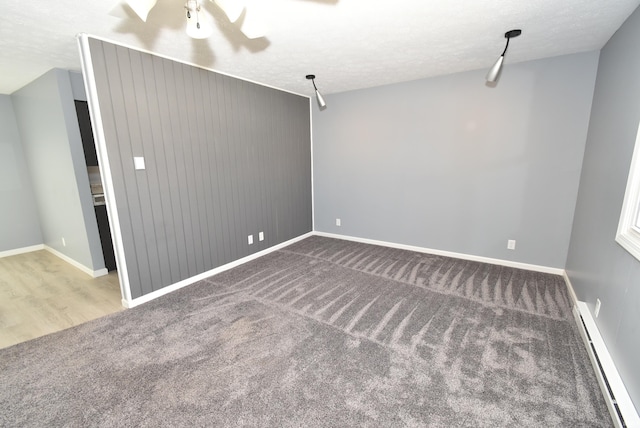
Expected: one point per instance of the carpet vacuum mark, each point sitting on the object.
(324, 333)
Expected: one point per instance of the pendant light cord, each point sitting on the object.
(507, 46)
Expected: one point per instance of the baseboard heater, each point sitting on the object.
(621, 408)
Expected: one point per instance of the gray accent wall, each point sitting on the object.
(48, 125)
(597, 266)
(450, 164)
(225, 158)
(19, 224)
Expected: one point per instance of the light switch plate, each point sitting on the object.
(138, 162)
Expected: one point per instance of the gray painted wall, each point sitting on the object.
(448, 163)
(19, 224)
(224, 159)
(77, 86)
(46, 118)
(597, 266)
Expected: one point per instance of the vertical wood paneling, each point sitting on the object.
(184, 141)
(139, 195)
(164, 163)
(196, 122)
(150, 194)
(217, 175)
(224, 159)
(223, 164)
(211, 176)
(262, 189)
(233, 144)
(175, 161)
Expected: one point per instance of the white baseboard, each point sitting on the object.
(83, 268)
(572, 292)
(22, 250)
(606, 369)
(623, 412)
(180, 284)
(507, 263)
(100, 272)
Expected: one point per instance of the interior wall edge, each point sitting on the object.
(91, 93)
(572, 292)
(78, 162)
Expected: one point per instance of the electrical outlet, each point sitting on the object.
(338, 222)
(250, 239)
(261, 236)
(511, 244)
(64, 243)
(596, 311)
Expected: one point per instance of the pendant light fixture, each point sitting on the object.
(199, 25)
(494, 72)
(321, 103)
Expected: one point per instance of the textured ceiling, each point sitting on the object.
(348, 44)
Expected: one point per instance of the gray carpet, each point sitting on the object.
(324, 333)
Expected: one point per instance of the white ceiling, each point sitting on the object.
(348, 44)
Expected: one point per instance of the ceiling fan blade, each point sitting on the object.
(232, 8)
(141, 7)
(252, 27)
(120, 10)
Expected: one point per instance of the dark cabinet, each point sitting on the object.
(105, 237)
(90, 155)
(86, 132)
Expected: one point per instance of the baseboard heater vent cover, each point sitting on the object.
(620, 406)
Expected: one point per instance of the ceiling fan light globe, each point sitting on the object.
(199, 23)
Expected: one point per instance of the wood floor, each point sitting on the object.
(42, 294)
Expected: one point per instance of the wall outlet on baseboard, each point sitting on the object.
(261, 236)
(511, 244)
(250, 239)
(596, 310)
(64, 243)
(338, 222)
